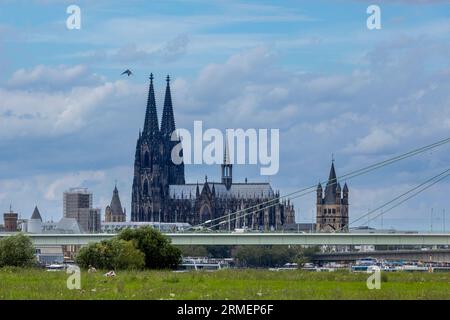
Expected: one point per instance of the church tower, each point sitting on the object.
(175, 172)
(332, 206)
(150, 182)
(227, 168)
(114, 212)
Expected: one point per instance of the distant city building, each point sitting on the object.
(160, 193)
(10, 221)
(114, 212)
(300, 227)
(63, 226)
(116, 227)
(367, 229)
(34, 225)
(77, 203)
(47, 255)
(332, 205)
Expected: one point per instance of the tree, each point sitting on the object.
(207, 251)
(89, 255)
(266, 256)
(17, 251)
(194, 251)
(219, 251)
(129, 257)
(306, 255)
(157, 248)
(113, 254)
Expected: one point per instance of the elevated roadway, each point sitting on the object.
(399, 239)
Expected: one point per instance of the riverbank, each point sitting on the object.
(225, 284)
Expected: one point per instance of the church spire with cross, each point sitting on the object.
(333, 207)
(227, 167)
(151, 127)
(168, 120)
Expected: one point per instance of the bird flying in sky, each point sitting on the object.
(127, 72)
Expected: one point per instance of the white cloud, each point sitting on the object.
(377, 140)
(58, 186)
(45, 112)
(54, 77)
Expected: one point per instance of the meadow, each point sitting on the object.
(19, 283)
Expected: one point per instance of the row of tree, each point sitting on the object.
(273, 256)
(255, 256)
(147, 248)
(142, 248)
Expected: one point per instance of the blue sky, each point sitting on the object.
(311, 69)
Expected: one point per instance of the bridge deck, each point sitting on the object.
(420, 239)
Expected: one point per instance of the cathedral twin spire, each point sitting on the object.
(154, 146)
(151, 126)
(168, 120)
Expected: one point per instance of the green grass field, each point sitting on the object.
(226, 284)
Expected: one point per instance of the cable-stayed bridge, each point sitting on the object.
(310, 239)
(280, 238)
(378, 212)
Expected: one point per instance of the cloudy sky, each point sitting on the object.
(311, 69)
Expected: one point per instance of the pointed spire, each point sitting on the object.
(36, 214)
(168, 120)
(332, 176)
(227, 167)
(345, 187)
(116, 205)
(330, 189)
(151, 127)
(226, 153)
(319, 193)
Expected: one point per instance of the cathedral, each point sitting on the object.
(332, 205)
(161, 194)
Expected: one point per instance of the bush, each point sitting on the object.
(207, 251)
(193, 251)
(157, 248)
(88, 256)
(272, 256)
(113, 254)
(17, 251)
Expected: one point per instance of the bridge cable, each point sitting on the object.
(346, 176)
(411, 196)
(445, 173)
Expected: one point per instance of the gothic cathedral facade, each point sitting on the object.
(160, 193)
